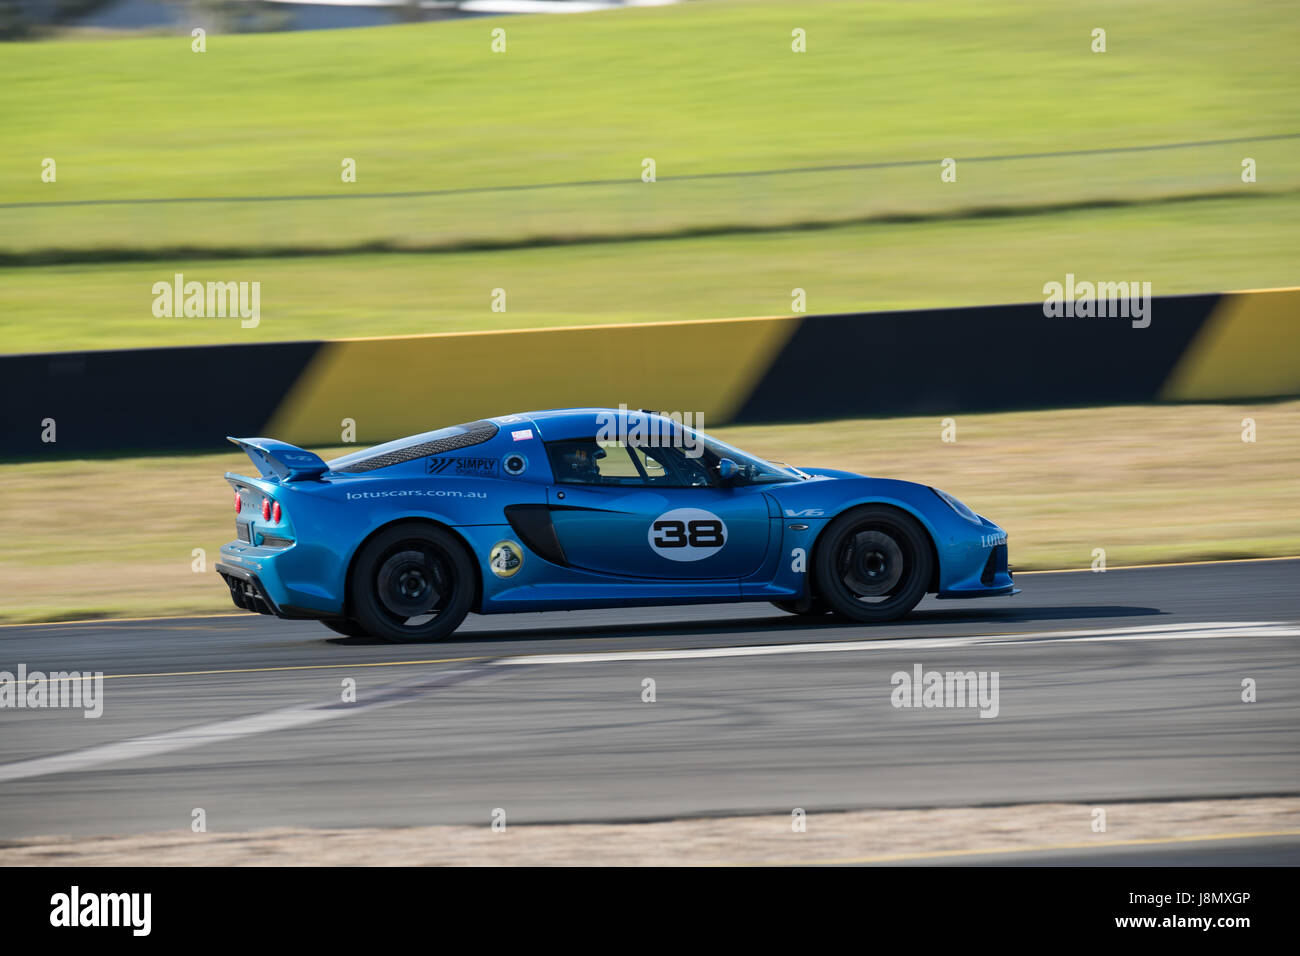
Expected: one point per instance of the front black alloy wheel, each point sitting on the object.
(412, 582)
(873, 564)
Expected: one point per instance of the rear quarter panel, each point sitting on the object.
(333, 516)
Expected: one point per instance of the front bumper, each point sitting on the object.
(980, 566)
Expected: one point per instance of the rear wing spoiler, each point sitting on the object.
(278, 459)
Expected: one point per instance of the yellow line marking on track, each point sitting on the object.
(280, 667)
(941, 854)
(436, 660)
(900, 640)
(129, 620)
(1167, 564)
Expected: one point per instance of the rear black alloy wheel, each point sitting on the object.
(412, 582)
(873, 564)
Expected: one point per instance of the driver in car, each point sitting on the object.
(580, 463)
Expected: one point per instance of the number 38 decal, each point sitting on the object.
(687, 534)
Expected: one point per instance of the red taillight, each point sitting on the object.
(239, 503)
(266, 509)
(275, 513)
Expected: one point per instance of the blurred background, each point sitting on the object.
(30, 18)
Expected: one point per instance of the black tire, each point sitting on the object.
(341, 625)
(873, 564)
(412, 582)
(817, 608)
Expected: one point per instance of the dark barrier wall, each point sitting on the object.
(932, 362)
(960, 360)
(144, 399)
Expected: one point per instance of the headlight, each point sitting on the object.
(958, 507)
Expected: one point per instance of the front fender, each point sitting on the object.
(960, 546)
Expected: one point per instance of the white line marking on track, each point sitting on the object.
(299, 715)
(1153, 632)
(155, 744)
(388, 695)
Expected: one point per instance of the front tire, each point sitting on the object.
(873, 564)
(412, 582)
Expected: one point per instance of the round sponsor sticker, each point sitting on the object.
(505, 559)
(687, 534)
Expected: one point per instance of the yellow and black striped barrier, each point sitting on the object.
(1239, 345)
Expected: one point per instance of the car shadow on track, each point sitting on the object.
(792, 625)
(1083, 614)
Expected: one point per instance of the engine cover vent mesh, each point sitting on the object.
(475, 433)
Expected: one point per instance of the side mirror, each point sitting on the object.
(728, 470)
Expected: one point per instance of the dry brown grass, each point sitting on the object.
(1147, 483)
(882, 836)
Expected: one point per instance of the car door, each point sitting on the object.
(626, 514)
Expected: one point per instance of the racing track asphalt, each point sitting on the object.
(240, 715)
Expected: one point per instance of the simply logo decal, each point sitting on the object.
(463, 467)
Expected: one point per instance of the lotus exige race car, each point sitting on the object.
(545, 511)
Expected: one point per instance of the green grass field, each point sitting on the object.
(703, 88)
(1188, 248)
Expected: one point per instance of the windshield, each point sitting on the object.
(752, 470)
(680, 458)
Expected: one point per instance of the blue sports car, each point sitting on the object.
(585, 508)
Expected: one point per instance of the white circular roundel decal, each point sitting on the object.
(687, 534)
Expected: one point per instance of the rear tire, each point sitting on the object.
(341, 625)
(410, 583)
(817, 608)
(873, 564)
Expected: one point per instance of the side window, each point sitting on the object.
(655, 472)
(584, 462)
(674, 467)
(617, 465)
